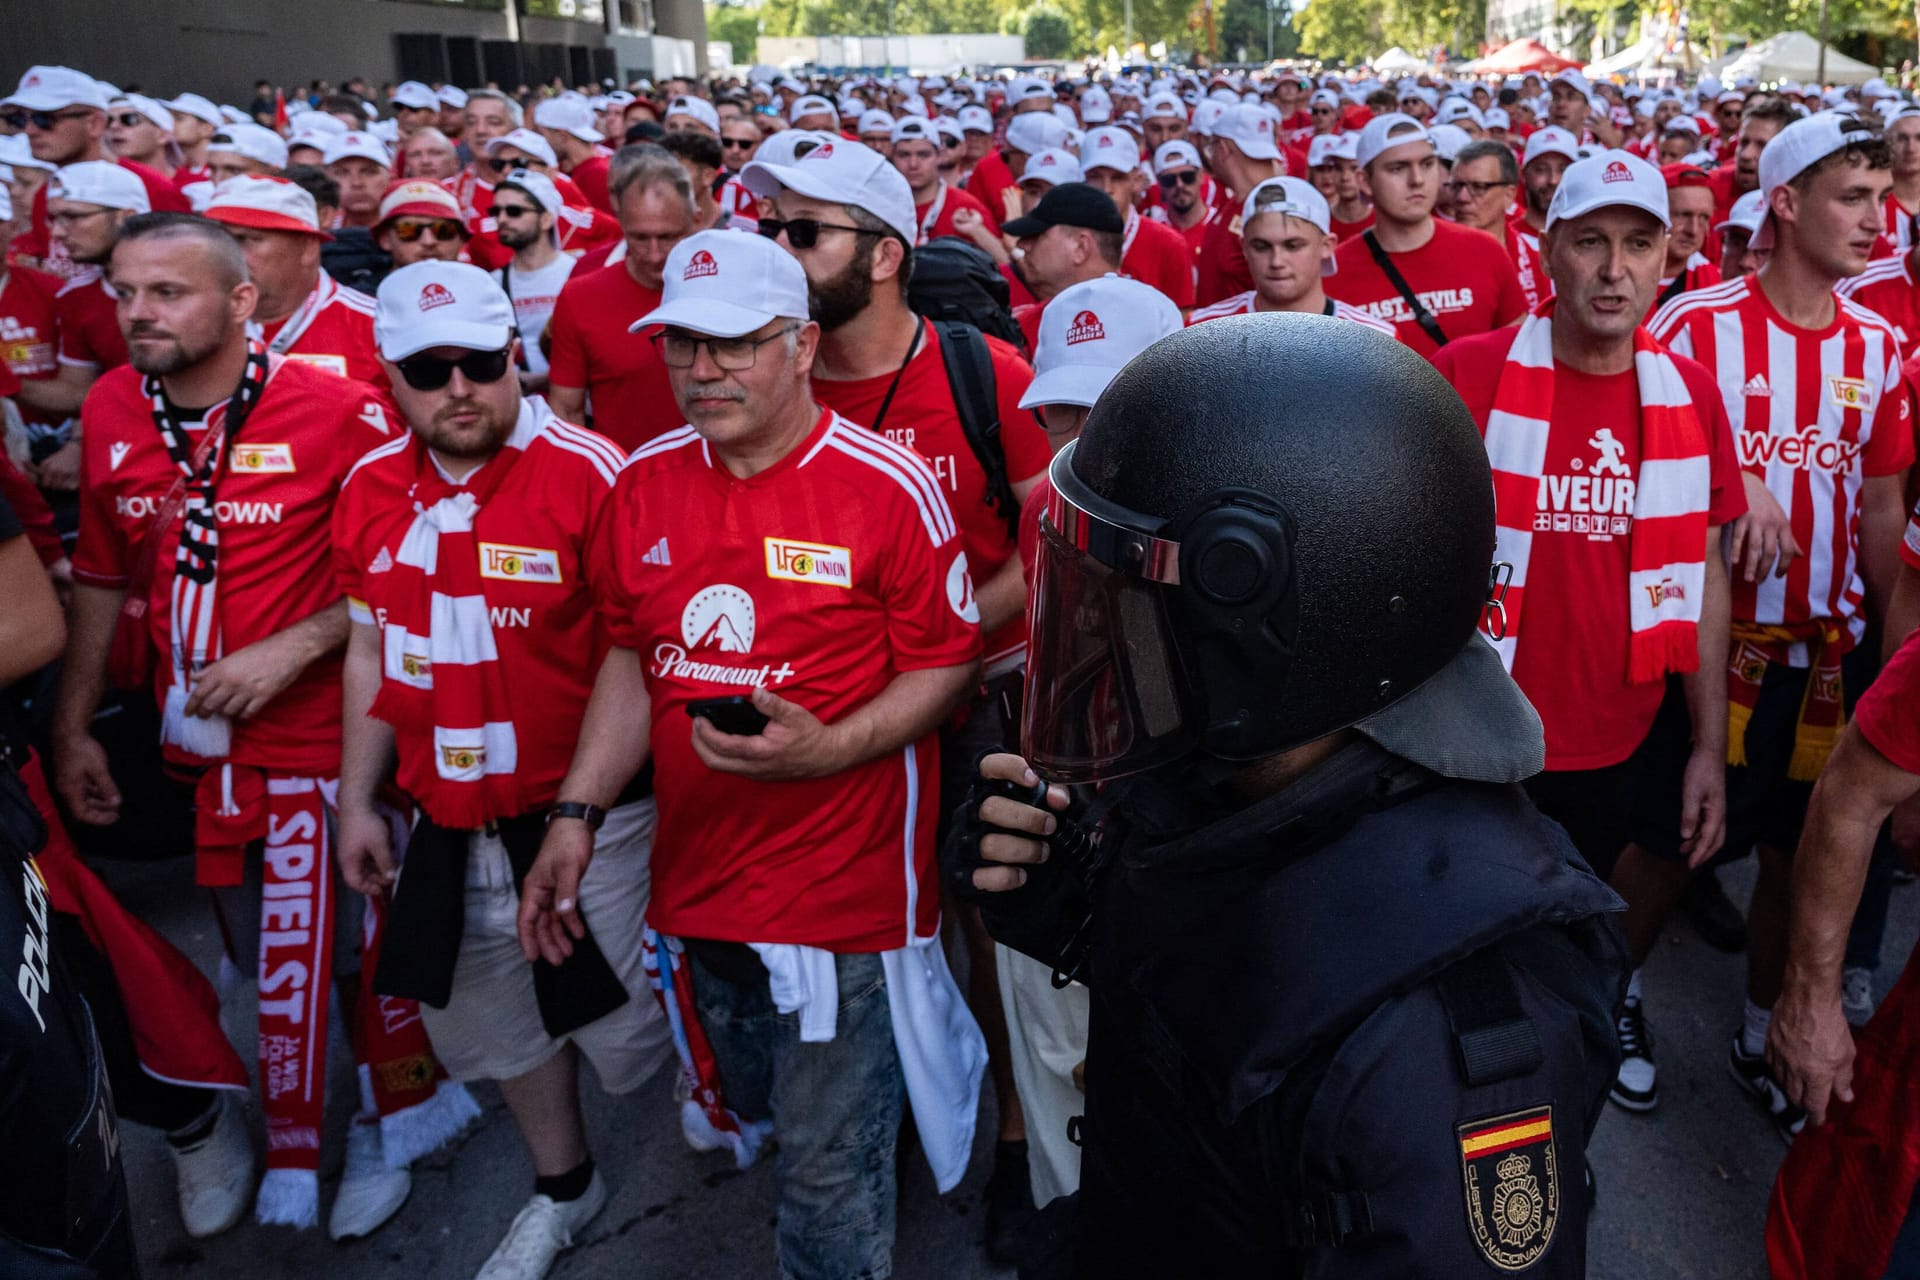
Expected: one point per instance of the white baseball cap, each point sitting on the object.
(1054, 165)
(1249, 128)
(1573, 78)
(452, 97)
(570, 115)
(1089, 332)
(780, 148)
(1291, 196)
(16, 154)
(949, 129)
(100, 182)
(1746, 213)
(875, 121)
(320, 124)
(1328, 147)
(699, 108)
(348, 145)
(524, 140)
(976, 119)
(1096, 105)
(1454, 110)
(157, 113)
(812, 104)
(440, 304)
(1207, 115)
(414, 96)
(1551, 140)
(1794, 150)
(1109, 147)
(1496, 118)
(1610, 179)
(1024, 87)
(1174, 155)
(254, 142)
(265, 204)
(1035, 132)
(1448, 139)
(51, 88)
(841, 172)
(192, 104)
(914, 128)
(536, 184)
(727, 284)
(1164, 106)
(1374, 139)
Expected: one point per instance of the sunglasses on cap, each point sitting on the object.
(411, 229)
(42, 120)
(1178, 178)
(804, 233)
(430, 373)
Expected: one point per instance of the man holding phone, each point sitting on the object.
(775, 551)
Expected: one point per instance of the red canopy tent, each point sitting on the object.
(1520, 56)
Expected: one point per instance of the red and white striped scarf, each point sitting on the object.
(440, 668)
(1672, 491)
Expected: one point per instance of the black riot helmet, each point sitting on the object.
(1271, 527)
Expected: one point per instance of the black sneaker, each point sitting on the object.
(1718, 922)
(1636, 1086)
(1009, 1199)
(1750, 1069)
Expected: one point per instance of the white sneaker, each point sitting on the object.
(540, 1231)
(1856, 996)
(215, 1174)
(369, 1193)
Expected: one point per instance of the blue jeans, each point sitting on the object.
(835, 1109)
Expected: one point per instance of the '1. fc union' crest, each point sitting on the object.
(1512, 1183)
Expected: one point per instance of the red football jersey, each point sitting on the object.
(820, 579)
(532, 535)
(1572, 662)
(1887, 288)
(935, 217)
(274, 505)
(922, 418)
(1463, 276)
(333, 330)
(628, 394)
(990, 183)
(1814, 415)
(29, 331)
(1156, 254)
(1222, 265)
(86, 310)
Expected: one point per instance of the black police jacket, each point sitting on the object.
(1361, 1028)
(354, 260)
(63, 1200)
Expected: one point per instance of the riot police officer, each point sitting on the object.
(1352, 996)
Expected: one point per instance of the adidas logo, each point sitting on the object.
(1757, 386)
(382, 563)
(657, 554)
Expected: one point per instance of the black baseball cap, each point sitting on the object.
(1071, 204)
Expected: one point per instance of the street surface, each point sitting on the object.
(1683, 1190)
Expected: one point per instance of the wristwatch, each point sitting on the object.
(591, 814)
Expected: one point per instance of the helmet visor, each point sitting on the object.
(1104, 693)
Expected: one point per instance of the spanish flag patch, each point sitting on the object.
(1511, 1176)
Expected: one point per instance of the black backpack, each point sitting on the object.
(955, 280)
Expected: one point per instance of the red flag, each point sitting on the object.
(280, 123)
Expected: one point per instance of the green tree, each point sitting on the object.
(1047, 30)
(1334, 31)
(738, 25)
(1242, 24)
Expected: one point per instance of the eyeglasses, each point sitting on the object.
(804, 233)
(430, 373)
(128, 119)
(411, 229)
(680, 350)
(1179, 178)
(42, 120)
(1475, 189)
(512, 210)
(739, 144)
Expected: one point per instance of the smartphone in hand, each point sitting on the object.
(735, 714)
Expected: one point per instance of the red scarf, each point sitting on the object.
(1672, 491)
(440, 668)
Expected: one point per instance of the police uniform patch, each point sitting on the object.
(1511, 1176)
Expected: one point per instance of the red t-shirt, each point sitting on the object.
(1572, 657)
(949, 199)
(628, 395)
(922, 418)
(336, 336)
(1885, 288)
(1158, 255)
(820, 579)
(274, 505)
(544, 626)
(989, 183)
(1463, 276)
(1222, 269)
(1345, 231)
(590, 175)
(29, 331)
(1888, 713)
(87, 313)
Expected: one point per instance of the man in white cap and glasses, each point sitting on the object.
(566, 123)
(488, 500)
(302, 313)
(1614, 472)
(1812, 384)
(1243, 154)
(1483, 181)
(790, 733)
(1150, 251)
(1434, 280)
(1286, 232)
(141, 130)
(914, 147)
(415, 106)
(526, 212)
(1183, 195)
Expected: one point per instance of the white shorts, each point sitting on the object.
(491, 1028)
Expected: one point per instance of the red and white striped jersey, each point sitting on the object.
(1814, 414)
(1889, 290)
(1241, 304)
(1898, 230)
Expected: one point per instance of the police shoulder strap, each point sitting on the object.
(1421, 316)
(1492, 1035)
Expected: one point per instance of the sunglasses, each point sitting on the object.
(680, 350)
(430, 373)
(128, 119)
(513, 210)
(42, 120)
(739, 144)
(1179, 178)
(411, 229)
(804, 233)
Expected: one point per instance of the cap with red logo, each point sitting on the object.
(51, 88)
(841, 172)
(440, 304)
(1385, 132)
(1089, 332)
(1610, 179)
(1053, 165)
(266, 204)
(1551, 140)
(1249, 128)
(725, 284)
(524, 140)
(1109, 148)
(418, 198)
(251, 142)
(346, 146)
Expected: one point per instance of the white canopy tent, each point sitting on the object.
(1397, 60)
(1795, 55)
(1647, 56)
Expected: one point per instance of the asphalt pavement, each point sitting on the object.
(1683, 1190)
